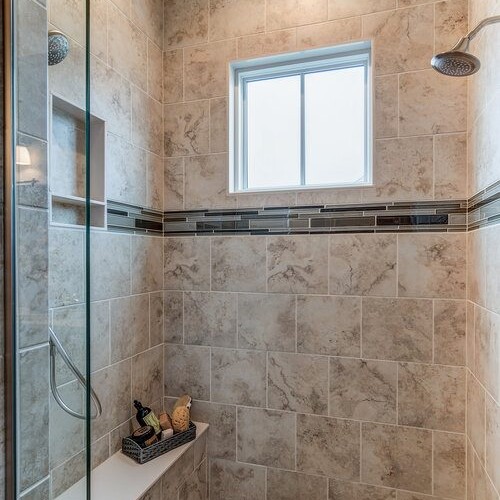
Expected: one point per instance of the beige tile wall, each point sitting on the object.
(420, 118)
(483, 306)
(318, 372)
(126, 270)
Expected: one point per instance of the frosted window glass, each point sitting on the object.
(335, 126)
(273, 128)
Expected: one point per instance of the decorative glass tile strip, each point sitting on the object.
(428, 216)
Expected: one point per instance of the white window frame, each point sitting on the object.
(354, 54)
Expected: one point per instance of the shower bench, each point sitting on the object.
(120, 477)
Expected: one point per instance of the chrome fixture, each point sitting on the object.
(58, 47)
(457, 61)
(56, 347)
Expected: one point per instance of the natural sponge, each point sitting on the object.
(181, 414)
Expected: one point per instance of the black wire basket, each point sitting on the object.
(143, 455)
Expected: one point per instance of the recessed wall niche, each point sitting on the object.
(67, 166)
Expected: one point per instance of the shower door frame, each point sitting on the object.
(9, 234)
(10, 108)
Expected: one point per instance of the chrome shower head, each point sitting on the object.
(456, 63)
(58, 47)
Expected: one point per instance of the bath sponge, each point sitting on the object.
(181, 414)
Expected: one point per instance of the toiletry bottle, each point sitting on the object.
(146, 416)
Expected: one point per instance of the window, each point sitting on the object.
(301, 120)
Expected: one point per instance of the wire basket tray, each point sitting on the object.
(143, 455)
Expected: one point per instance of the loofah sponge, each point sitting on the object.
(181, 414)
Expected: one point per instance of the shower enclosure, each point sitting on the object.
(54, 199)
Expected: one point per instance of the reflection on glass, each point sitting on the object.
(273, 144)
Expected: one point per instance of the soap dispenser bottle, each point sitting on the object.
(146, 416)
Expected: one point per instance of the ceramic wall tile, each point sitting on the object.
(174, 477)
(236, 262)
(487, 349)
(431, 396)
(238, 377)
(218, 125)
(33, 275)
(345, 8)
(344, 490)
(187, 263)
(155, 71)
(154, 182)
(186, 23)
(297, 382)
(33, 447)
(287, 485)
(206, 182)
(32, 69)
(146, 261)
(231, 18)
(430, 104)
(113, 387)
(235, 481)
(328, 446)
(129, 326)
(493, 440)
(125, 171)
(431, 265)
(210, 319)
(329, 325)
(403, 38)
(222, 432)
(386, 106)
(403, 170)
(156, 317)
(451, 21)
(476, 419)
(111, 98)
(398, 457)
(266, 322)
(110, 272)
(331, 33)
(449, 465)
(173, 314)
(288, 13)
(173, 187)
(147, 122)
(266, 43)
(147, 375)
(196, 485)
(449, 332)
(397, 329)
(173, 78)
(206, 69)
(71, 431)
(127, 46)
(363, 390)
(193, 362)
(450, 167)
(148, 15)
(362, 264)
(186, 128)
(296, 264)
(266, 437)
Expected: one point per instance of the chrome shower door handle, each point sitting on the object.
(55, 348)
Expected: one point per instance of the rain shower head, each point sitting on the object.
(58, 47)
(457, 61)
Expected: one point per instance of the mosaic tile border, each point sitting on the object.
(484, 208)
(426, 216)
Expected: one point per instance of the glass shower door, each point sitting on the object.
(48, 216)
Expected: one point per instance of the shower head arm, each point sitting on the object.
(463, 43)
